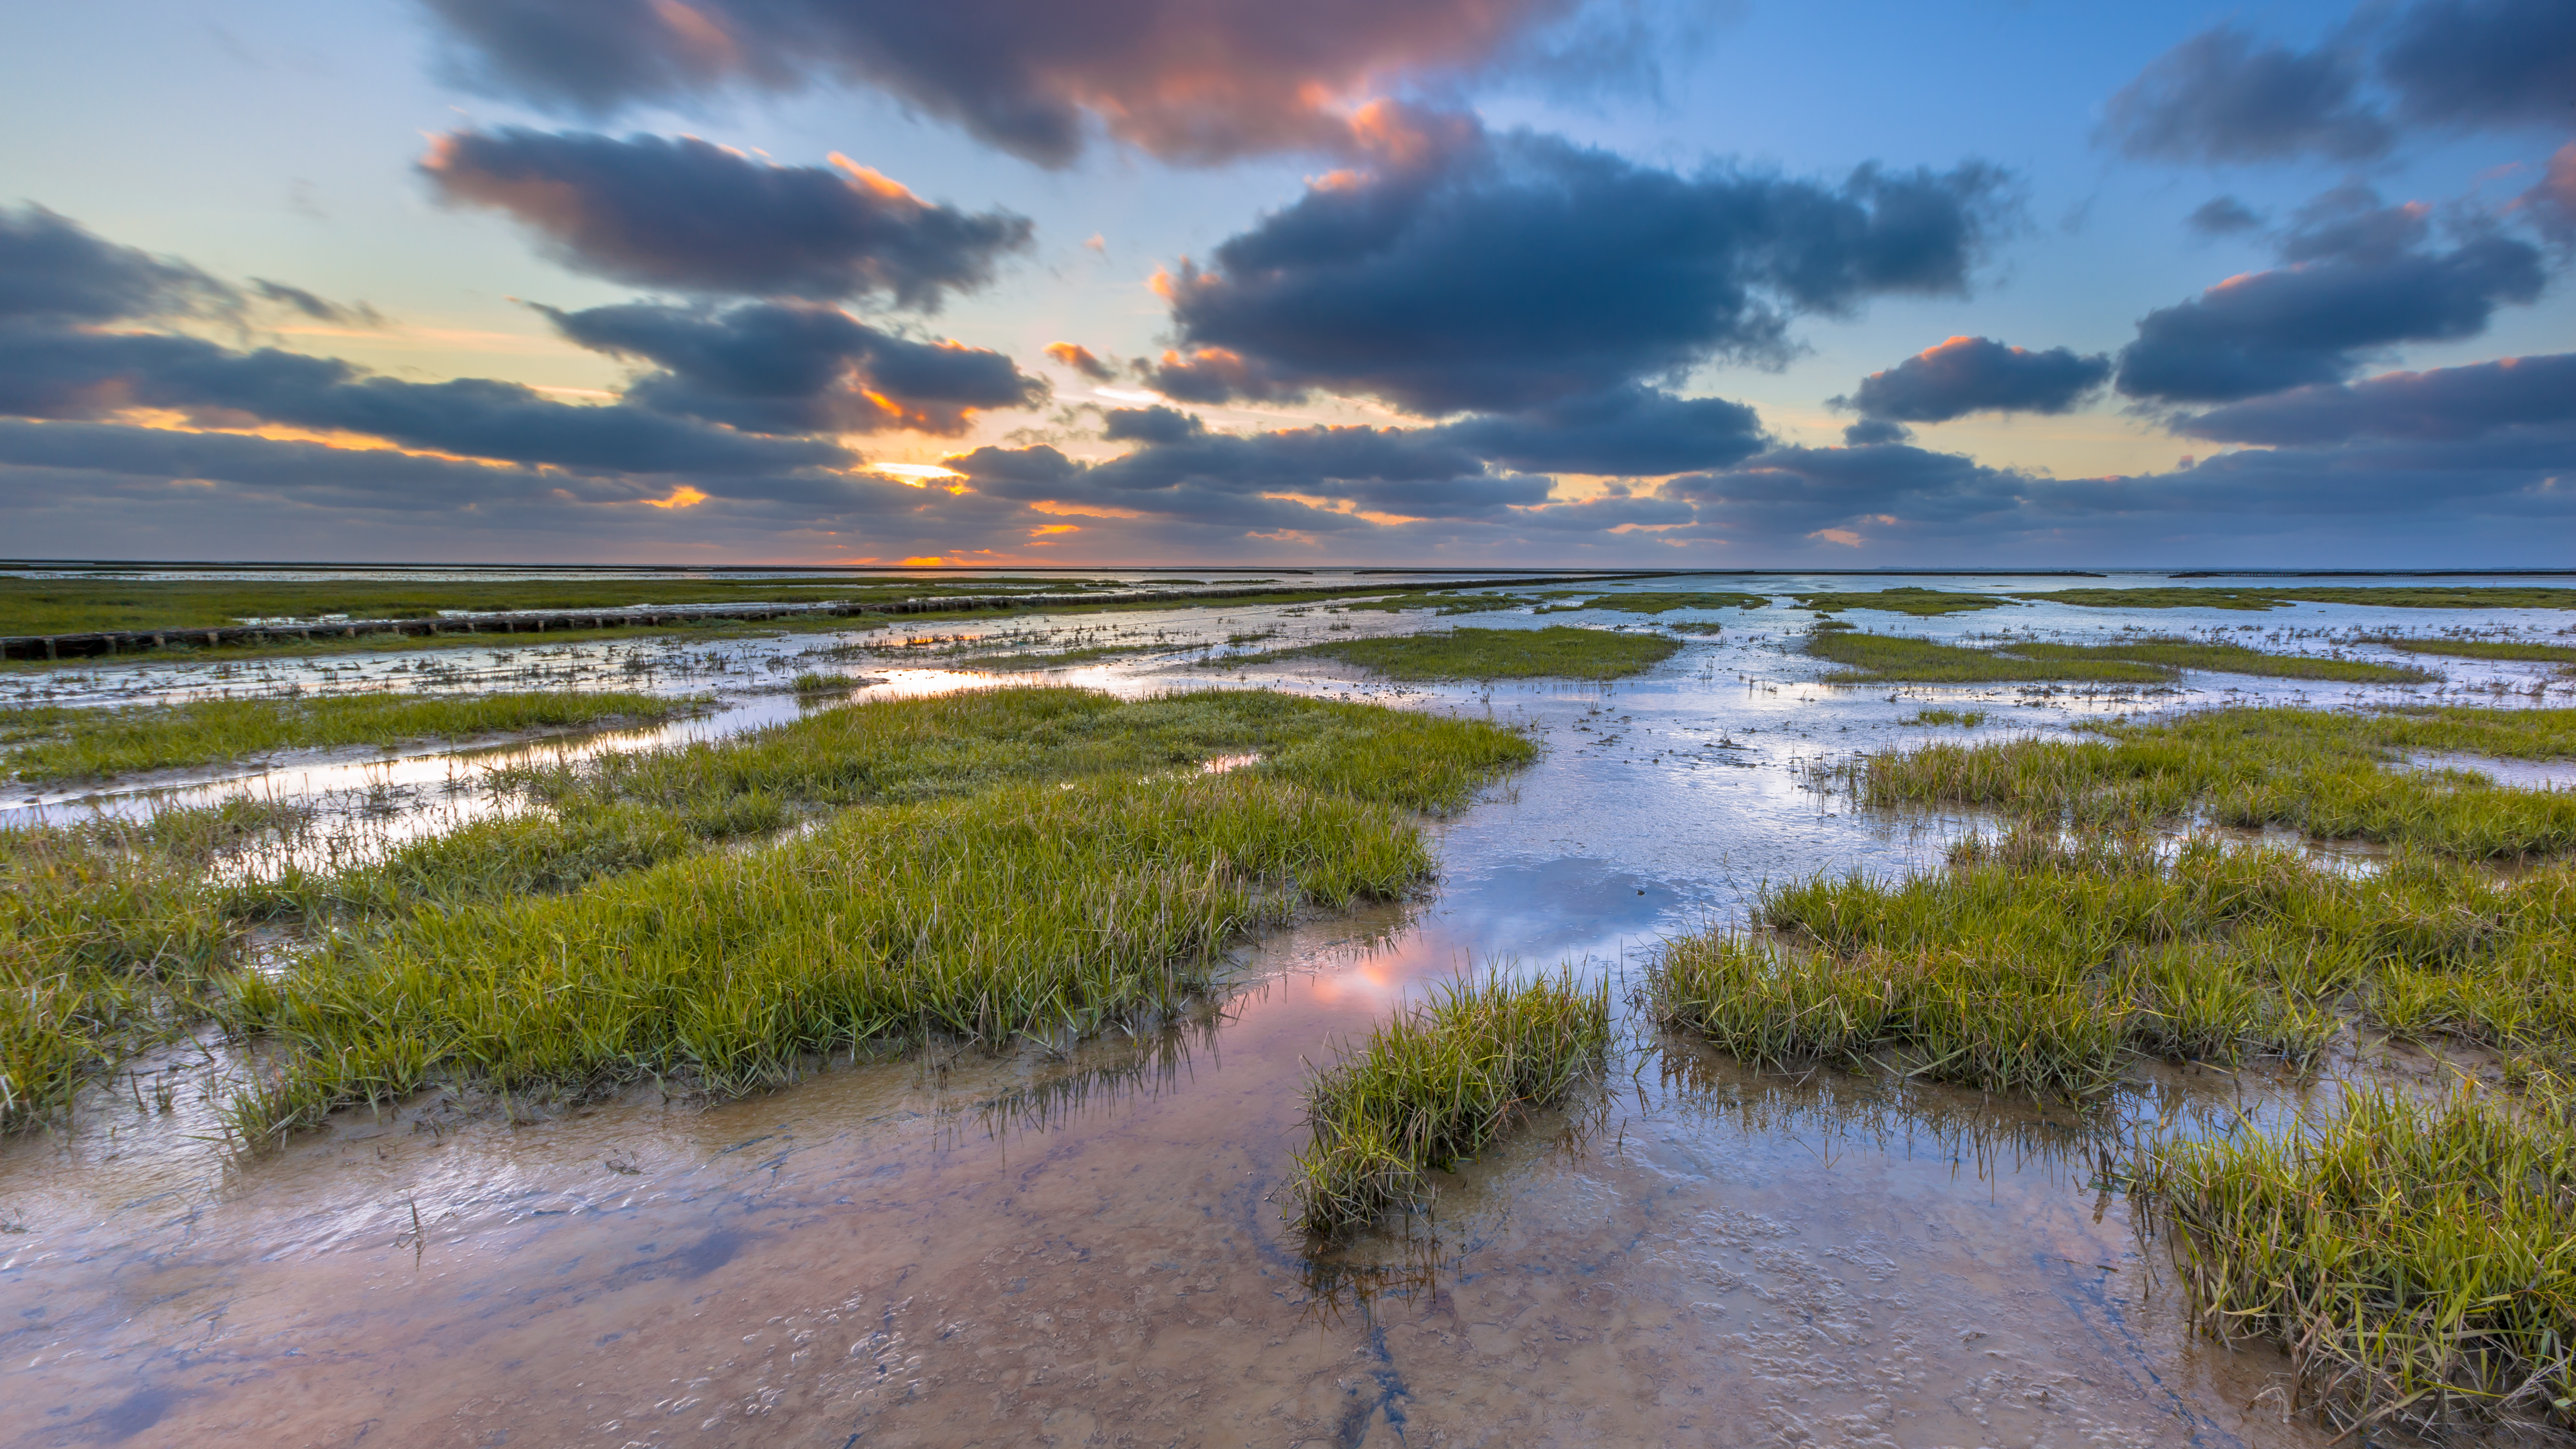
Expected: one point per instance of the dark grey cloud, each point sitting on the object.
(2222, 216)
(1978, 375)
(1470, 271)
(684, 214)
(69, 374)
(2225, 95)
(2445, 403)
(54, 269)
(1870, 432)
(2359, 279)
(1318, 479)
(775, 367)
(2476, 64)
(2358, 503)
(1205, 81)
(1157, 424)
(1630, 431)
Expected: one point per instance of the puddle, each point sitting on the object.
(2513, 774)
(1073, 1246)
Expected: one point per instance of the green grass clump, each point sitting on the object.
(1557, 651)
(2320, 772)
(1895, 659)
(1434, 1086)
(110, 942)
(984, 864)
(76, 606)
(2393, 597)
(1442, 601)
(1883, 657)
(816, 684)
(2040, 964)
(2485, 649)
(1919, 602)
(1028, 909)
(2221, 658)
(1965, 719)
(1662, 603)
(2419, 1265)
(49, 743)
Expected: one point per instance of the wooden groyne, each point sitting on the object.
(649, 616)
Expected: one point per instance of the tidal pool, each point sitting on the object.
(1080, 1243)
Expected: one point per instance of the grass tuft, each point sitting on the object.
(1920, 602)
(1434, 1086)
(1557, 651)
(49, 743)
(1891, 658)
(2499, 649)
(2322, 773)
(2418, 1264)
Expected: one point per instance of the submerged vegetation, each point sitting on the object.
(986, 864)
(1920, 602)
(1434, 1086)
(1557, 651)
(2144, 660)
(53, 743)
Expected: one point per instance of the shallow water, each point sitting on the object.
(1076, 1246)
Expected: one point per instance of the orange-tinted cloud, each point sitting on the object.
(1204, 81)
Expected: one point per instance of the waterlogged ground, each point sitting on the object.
(1082, 1245)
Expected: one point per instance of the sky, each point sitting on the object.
(1415, 282)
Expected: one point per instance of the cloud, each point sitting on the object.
(684, 214)
(2358, 503)
(2476, 64)
(2225, 96)
(2447, 403)
(1156, 424)
(1082, 360)
(1975, 375)
(1463, 270)
(2552, 203)
(2222, 216)
(1202, 82)
(54, 269)
(68, 374)
(2358, 280)
(320, 309)
(773, 367)
(1870, 432)
(1629, 431)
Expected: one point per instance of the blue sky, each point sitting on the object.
(1590, 277)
